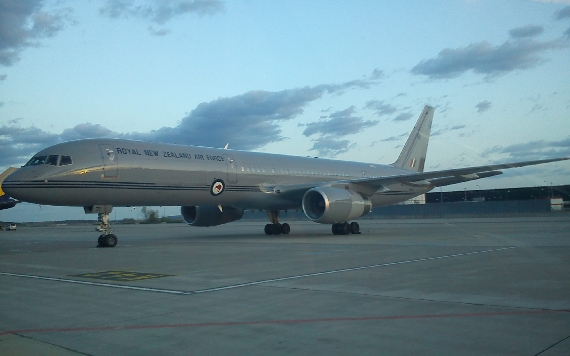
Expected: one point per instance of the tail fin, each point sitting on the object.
(413, 155)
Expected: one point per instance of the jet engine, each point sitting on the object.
(333, 205)
(210, 215)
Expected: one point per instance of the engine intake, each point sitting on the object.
(333, 205)
(210, 215)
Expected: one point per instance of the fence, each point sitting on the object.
(462, 209)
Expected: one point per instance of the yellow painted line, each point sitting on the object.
(126, 276)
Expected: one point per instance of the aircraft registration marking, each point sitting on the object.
(122, 276)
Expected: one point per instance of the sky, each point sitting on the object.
(338, 79)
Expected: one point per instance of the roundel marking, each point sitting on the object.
(218, 187)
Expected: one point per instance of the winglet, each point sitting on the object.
(413, 155)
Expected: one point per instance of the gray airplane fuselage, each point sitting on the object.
(134, 173)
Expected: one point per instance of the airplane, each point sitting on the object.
(6, 202)
(215, 186)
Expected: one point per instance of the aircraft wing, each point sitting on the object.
(370, 185)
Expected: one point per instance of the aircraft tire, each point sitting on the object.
(344, 228)
(100, 241)
(335, 229)
(354, 228)
(285, 228)
(277, 229)
(268, 229)
(110, 240)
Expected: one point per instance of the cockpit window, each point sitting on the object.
(36, 161)
(65, 160)
(52, 160)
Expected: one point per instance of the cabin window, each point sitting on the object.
(65, 160)
(52, 160)
(36, 161)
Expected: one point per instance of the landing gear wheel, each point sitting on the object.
(277, 230)
(109, 240)
(354, 228)
(100, 242)
(344, 228)
(341, 229)
(269, 229)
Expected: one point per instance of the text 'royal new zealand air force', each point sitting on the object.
(170, 154)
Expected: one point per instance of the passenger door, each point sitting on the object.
(110, 161)
(232, 169)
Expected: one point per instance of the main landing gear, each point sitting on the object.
(346, 228)
(107, 239)
(275, 228)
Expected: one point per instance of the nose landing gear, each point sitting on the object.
(107, 239)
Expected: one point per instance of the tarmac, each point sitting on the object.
(489, 286)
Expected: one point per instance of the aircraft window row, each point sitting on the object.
(294, 172)
(52, 160)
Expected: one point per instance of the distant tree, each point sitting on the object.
(150, 215)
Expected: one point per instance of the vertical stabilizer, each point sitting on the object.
(413, 155)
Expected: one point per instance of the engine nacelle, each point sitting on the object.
(333, 205)
(210, 215)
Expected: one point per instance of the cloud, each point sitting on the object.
(17, 144)
(380, 108)
(3, 77)
(377, 74)
(483, 106)
(484, 58)
(159, 11)
(540, 149)
(247, 122)
(563, 13)
(339, 124)
(447, 129)
(23, 23)
(86, 130)
(390, 139)
(526, 31)
(329, 146)
(403, 117)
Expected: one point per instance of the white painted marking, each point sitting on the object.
(180, 292)
(99, 284)
(346, 270)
